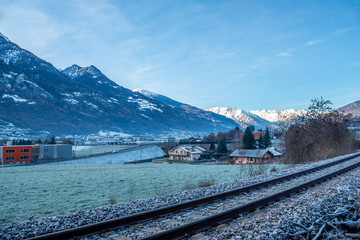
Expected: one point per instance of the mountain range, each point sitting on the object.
(81, 100)
(257, 118)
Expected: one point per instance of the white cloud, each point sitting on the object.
(284, 54)
(344, 30)
(313, 42)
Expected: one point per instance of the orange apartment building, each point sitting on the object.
(19, 154)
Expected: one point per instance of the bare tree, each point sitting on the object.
(322, 133)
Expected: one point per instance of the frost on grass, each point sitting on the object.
(48, 190)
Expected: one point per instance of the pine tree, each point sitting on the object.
(252, 128)
(248, 139)
(222, 148)
(267, 139)
(261, 142)
(52, 141)
(212, 147)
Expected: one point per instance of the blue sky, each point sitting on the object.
(246, 54)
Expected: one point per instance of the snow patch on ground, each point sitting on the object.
(145, 116)
(113, 100)
(72, 101)
(144, 104)
(15, 97)
(11, 56)
(91, 105)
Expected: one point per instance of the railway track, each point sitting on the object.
(185, 219)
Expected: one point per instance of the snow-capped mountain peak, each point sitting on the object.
(75, 71)
(258, 118)
(243, 118)
(145, 92)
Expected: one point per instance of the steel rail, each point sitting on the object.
(214, 220)
(140, 217)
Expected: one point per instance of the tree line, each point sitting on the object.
(49, 139)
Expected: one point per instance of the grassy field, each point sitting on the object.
(47, 190)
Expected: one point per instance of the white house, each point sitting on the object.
(186, 153)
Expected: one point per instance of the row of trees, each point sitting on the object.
(49, 139)
(233, 134)
(22, 142)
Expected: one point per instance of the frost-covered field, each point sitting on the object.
(46, 190)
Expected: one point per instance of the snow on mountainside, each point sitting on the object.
(258, 118)
(160, 98)
(195, 113)
(275, 116)
(243, 118)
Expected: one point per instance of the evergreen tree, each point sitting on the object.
(261, 142)
(252, 128)
(52, 141)
(248, 139)
(212, 147)
(267, 139)
(222, 148)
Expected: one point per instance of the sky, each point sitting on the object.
(248, 54)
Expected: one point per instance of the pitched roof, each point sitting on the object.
(189, 149)
(256, 153)
(275, 153)
(200, 148)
